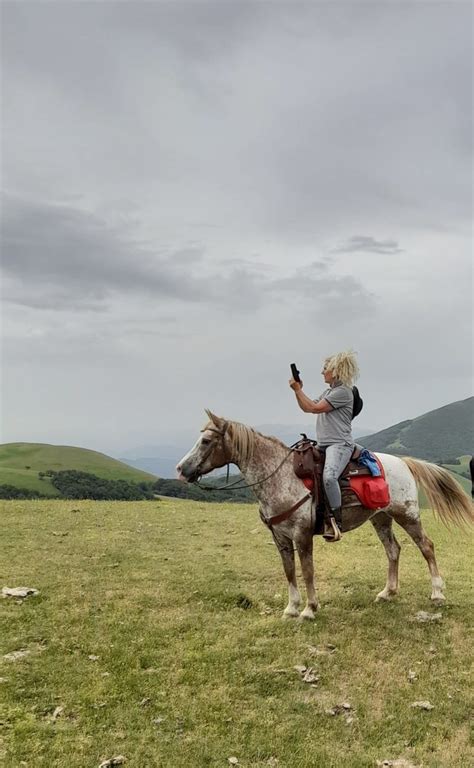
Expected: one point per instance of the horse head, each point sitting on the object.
(212, 450)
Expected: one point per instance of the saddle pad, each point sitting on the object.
(372, 492)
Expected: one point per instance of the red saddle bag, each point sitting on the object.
(372, 492)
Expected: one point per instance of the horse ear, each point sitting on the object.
(215, 419)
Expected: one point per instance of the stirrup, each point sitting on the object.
(331, 532)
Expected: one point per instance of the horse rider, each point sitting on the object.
(333, 428)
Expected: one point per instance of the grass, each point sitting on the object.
(21, 462)
(181, 603)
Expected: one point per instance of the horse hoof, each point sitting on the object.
(307, 615)
(290, 613)
(385, 596)
(438, 598)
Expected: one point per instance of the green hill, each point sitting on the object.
(21, 462)
(435, 436)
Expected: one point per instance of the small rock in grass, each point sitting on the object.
(309, 676)
(424, 616)
(233, 760)
(15, 655)
(322, 650)
(426, 705)
(400, 762)
(344, 709)
(339, 709)
(112, 761)
(300, 668)
(57, 712)
(91, 657)
(157, 720)
(19, 591)
(411, 675)
(145, 701)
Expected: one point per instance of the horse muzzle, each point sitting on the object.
(187, 475)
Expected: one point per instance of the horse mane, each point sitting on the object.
(242, 439)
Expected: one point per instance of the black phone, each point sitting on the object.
(295, 372)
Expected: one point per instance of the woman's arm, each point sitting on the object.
(305, 403)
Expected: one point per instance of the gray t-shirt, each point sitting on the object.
(335, 426)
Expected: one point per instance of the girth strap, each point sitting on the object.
(285, 515)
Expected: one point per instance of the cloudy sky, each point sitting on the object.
(197, 194)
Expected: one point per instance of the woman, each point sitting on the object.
(333, 427)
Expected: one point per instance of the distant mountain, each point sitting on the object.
(156, 465)
(440, 434)
(21, 462)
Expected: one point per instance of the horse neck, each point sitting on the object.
(268, 454)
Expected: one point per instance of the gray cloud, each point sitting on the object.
(367, 244)
(58, 256)
(63, 258)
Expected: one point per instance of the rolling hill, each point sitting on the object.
(446, 432)
(21, 462)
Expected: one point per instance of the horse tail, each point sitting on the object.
(445, 495)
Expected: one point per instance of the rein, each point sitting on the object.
(235, 487)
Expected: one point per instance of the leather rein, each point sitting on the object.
(269, 521)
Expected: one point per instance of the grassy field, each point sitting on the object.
(21, 462)
(157, 630)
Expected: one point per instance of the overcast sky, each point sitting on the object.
(197, 194)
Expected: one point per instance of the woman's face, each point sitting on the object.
(329, 377)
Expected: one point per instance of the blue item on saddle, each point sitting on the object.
(368, 460)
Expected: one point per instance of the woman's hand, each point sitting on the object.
(295, 385)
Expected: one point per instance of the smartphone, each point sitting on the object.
(295, 372)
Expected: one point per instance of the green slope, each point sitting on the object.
(440, 434)
(21, 462)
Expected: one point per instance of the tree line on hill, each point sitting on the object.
(75, 484)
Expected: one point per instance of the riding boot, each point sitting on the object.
(332, 526)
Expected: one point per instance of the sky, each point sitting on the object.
(196, 194)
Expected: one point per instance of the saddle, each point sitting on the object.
(358, 486)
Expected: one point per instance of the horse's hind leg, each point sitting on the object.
(413, 527)
(383, 528)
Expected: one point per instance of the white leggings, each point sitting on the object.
(337, 457)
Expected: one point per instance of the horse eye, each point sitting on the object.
(205, 441)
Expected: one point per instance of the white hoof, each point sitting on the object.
(437, 597)
(290, 613)
(307, 615)
(385, 595)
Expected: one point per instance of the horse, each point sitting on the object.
(263, 462)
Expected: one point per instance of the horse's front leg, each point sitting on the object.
(304, 545)
(287, 554)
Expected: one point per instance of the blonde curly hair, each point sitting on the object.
(343, 365)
